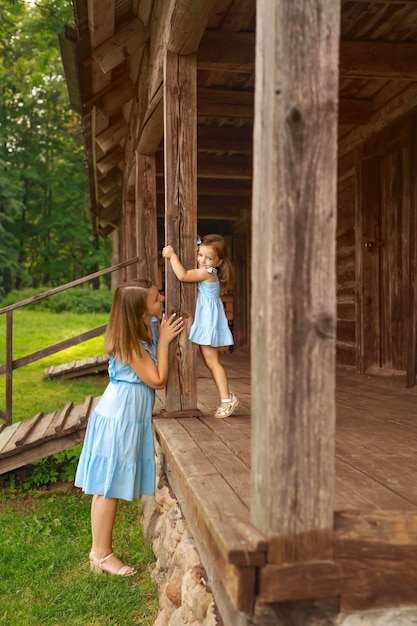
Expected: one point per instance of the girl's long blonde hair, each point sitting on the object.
(225, 270)
(126, 326)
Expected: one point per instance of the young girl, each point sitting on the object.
(117, 459)
(210, 330)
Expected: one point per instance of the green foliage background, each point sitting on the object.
(44, 223)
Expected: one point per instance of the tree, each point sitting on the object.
(48, 227)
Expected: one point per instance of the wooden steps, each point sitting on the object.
(24, 442)
(91, 365)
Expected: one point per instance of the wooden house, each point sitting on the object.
(289, 127)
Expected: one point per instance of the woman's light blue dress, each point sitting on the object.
(210, 326)
(117, 459)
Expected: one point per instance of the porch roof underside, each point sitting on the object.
(113, 61)
(375, 522)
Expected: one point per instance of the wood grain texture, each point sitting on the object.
(293, 278)
(180, 142)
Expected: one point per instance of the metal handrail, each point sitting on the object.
(11, 364)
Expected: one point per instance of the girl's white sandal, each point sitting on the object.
(223, 411)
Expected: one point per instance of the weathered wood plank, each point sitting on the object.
(78, 368)
(188, 458)
(280, 583)
(145, 199)
(358, 490)
(7, 434)
(293, 270)
(377, 554)
(62, 417)
(233, 434)
(412, 322)
(213, 499)
(28, 455)
(180, 143)
(27, 429)
(125, 42)
(224, 460)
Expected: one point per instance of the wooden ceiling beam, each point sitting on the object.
(225, 103)
(219, 167)
(235, 52)
(215, 187)
(403, 103)
(377, 59)
(215, 209)
(225, 139)
(118, 48)
(227, 52)
(229, 103)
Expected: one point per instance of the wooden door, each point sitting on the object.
(387, 242)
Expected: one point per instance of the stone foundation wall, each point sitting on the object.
(185, 598)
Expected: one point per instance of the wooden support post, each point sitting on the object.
(146, 222)
(412, 262)
(180, 151)
(293, 277)
(129, 234)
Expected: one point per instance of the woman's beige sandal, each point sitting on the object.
(98, 566)
(226, 411)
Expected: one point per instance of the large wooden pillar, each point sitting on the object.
(293, 280)
(180, 153)
(146, 218)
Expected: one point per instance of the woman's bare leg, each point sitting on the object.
(103, 515)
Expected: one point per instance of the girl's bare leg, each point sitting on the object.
(211, 358)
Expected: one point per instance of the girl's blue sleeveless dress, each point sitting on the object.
(210, 326)
(117, 459)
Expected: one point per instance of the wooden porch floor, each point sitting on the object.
(376, 436)
(208, 465)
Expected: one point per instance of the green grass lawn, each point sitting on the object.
(32, 331)
(45, 578)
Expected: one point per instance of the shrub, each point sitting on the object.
(75, 300)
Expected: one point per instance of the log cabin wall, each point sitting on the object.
(375, 253)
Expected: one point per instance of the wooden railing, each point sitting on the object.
(12, 364)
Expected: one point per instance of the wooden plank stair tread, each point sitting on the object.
(206, 485)
(7, 433)
(28, 434)
(62, 417)
(27, 428)
(78, 368)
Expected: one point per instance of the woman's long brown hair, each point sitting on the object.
(126, 325)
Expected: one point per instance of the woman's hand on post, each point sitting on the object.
(170, 327)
